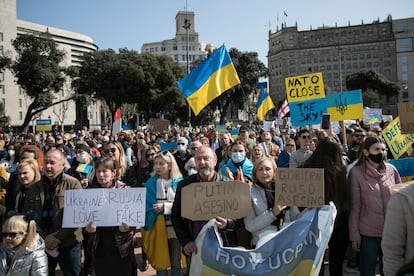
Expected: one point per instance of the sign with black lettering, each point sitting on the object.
(206, 200)
(104, 207)
(397, 142)
(304, 87)
(302, 187)
(307, 112)
(406, 114)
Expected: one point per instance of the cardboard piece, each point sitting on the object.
(302, 187)
(206, 200)
(406, 114)
(104, 207)
(158, 125)
(397, 142)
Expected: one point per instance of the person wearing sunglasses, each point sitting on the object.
(22, 251)
(116, 152)
(182, 155)
(284, 157)
(358, 137)
(161, 188)
(298, 157)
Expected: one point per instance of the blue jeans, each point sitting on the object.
(370, 252)
(175, 259)
(69, 259)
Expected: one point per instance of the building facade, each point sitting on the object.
(184, 44)
(16, 102)
(340, 51)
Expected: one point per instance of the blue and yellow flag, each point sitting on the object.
(208, 80)
(264, 102)
(345, 105)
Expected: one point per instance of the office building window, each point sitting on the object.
(1, 76)
(1, 36)
(406, 44)
(20, 103)
(404, 60)
(20, 115)
(1, 51)
(2, 90)
(404, 77)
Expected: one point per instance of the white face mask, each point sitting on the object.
(81, 158)
(181, 148)
(237, 157)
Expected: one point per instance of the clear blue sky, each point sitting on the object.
(243, 24)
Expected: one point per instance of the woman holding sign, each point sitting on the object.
(111, 248)
(266, 217)
(370, 181)
(159, 240)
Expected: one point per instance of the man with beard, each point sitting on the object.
(358, 137)
(185, 229)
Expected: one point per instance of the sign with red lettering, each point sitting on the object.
(206, 200)
(304, 87)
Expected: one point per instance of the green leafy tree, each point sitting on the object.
(38, 72)
(370, 80)
(129, 77)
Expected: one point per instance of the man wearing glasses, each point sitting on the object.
(298, 157)
(358, 137)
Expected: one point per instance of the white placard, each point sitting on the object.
(104, 207)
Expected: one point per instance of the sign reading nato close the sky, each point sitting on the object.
(306, 97)
(104, 207)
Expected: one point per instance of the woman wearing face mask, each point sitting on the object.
(82, 165)
(370, 180)
(238, 167)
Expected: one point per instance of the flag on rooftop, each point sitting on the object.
(284, 109)
(264, 102)
(208, 80)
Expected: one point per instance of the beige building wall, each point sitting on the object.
(72, 44)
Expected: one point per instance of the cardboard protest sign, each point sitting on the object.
(206, 200)
(307, 112)
(345, 105)
(303, 187)
(304, 87)
(158, 125)
(397, 142)
(372, 116)
(406, 114)
(267, 125)
(104, 207)
(221, 129)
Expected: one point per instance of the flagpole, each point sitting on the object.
(187, 25)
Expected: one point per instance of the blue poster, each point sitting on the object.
(307, 112)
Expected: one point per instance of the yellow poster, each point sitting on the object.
(397, 143)
(304, 87)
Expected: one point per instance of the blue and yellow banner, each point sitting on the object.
(208, 80)
(345, 105)
(307, 112)
(264, 102)
(296, 250)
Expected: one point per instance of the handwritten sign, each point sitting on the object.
(307, 112)
(397, 142)
(345, 105)
(302, 187)
(206, 200)
(158, 125)
(104, 207)
(304, 87)
(406, 114)
(221, 129)
(372, 116)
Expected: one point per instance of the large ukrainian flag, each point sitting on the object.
(264, 102)
(345, 105)
(209, 79)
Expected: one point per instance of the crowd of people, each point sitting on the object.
(37, 169)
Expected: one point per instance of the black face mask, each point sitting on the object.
(377, 158)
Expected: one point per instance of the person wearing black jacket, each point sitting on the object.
(187, 230)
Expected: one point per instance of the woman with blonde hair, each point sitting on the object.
(115, 151)
(161, 188)
(22, 251)
(257, 152)
(28, 173)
